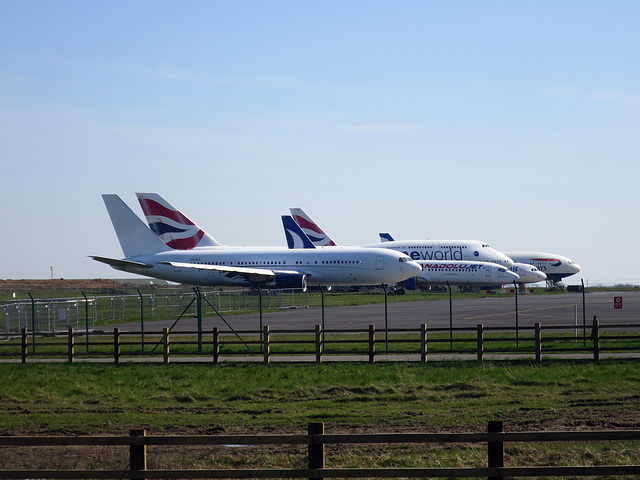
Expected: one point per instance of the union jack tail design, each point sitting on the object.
(171, 226)
(311, 229)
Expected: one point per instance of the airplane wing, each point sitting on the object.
(251, 274)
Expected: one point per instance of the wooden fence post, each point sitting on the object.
(267, 346)
(595, 336)
(216, 345)
(25, 345)
(316, 449)
(372, 344)
(423, 343)
(165, 344)
(72, 345)
(538, 342)
(138, 453)
(116, 346)
(495, 449)
(319, 344)
(480, 341)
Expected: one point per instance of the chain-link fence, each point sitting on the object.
(57, 314)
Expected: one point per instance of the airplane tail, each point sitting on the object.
(385, 237)
(296, 238)
(171, 226)
(311, 229)
(134, 236)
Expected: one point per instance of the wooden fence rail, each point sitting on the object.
(316, 440)
(408, 344)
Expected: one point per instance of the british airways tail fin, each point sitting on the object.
(385, 237)
(311, 229)
(171, 226)
(296, 238)
(134, 236)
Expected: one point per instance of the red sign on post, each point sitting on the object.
(617, 302)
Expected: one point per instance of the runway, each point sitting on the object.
(553, 309)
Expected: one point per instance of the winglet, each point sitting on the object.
(296, 238)
(385, 237)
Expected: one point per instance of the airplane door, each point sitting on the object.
(379, 263)
(487, 271)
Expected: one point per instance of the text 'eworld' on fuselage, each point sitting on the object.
(273, 267)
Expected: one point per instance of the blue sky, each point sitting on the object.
(516, 123)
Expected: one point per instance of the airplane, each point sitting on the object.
(270, 267)
(555, 267)
(453, 271)
(446, 250)
(527, 273)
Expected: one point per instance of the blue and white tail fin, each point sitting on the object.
(171, 226)
(296, 238)
(311, 229)
(385, 237)
(134, 236)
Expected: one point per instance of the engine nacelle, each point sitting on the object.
(410, 283)
(288, 280)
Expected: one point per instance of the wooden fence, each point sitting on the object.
(316, 440)
(417, 344)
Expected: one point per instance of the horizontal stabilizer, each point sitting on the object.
(121, 264)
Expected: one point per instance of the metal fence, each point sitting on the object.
(56, 314)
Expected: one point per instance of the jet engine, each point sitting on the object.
(288, 280)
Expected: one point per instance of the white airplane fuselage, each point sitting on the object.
(555, 267)
(447, 250)
(327, 267)
(465, 274)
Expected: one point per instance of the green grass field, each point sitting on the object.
(89, 398)
(80, 399)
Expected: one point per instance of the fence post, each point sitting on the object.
(595, 336)
(165, 344)
(538, 342)
(319, 344)
(216, 345)
(495, 449)
(316, 448)
(25, 345)
(116, 346)
(138, 453)
(372, 344)
(423, 343)
(480, 341)
(266, 348)
(72, 345)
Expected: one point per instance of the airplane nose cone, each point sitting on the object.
(575, 267)
(414, 268)
(540, 276)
